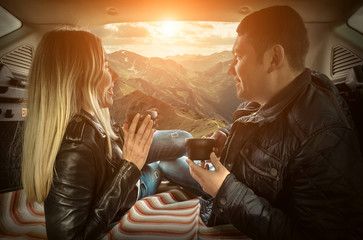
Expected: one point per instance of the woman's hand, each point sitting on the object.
(137, 144)
(159, 117)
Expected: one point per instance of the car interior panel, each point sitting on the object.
(336, 50)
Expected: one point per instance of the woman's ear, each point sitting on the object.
(276, 57)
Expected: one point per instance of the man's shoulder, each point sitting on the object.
(319, 107)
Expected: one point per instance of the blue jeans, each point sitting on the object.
(178, 172)
(168, 147)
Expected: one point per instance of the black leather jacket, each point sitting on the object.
(296, 167)
(90, 190)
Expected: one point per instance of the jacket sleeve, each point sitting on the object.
(73, 210)
(324, 189)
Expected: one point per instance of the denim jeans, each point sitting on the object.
(177, 171)
(166, 159)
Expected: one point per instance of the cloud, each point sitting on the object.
(121, 30)
(102, 32)
(131, 31)
(202, 25)
(158, 39)
(121, 41)
(216, 40)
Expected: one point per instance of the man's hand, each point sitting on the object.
(220, 138)
(211, 181)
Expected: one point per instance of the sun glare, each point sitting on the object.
(169, 28)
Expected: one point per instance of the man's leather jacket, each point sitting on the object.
(296, 167)
(90, 190)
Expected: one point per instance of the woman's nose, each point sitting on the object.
(232, 70)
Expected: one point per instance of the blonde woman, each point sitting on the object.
(86, 171)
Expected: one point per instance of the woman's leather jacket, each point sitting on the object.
(91, 191)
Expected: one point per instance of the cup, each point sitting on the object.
(130, 116)
(199, 148)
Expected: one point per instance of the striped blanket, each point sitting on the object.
(172, 213)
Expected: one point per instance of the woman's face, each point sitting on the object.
(105, 90)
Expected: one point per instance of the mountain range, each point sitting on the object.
(201, 62)
(187, 97)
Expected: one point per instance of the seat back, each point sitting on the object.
(352, 91)
(12, 114)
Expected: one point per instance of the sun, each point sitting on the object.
(169, 28)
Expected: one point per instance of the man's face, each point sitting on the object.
(247, 70)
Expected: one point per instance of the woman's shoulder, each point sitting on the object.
(84, 129)
(83, 143)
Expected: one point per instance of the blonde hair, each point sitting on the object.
(65, 73)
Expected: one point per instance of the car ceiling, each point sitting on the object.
(98, 12)
(323, 18)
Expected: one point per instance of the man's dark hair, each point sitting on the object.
(277, 25)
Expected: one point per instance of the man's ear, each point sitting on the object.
(276, 57)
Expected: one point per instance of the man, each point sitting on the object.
(291, 166)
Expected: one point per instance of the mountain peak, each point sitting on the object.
(173, 117)
(201, 63)
(189, 55)
(124, 53)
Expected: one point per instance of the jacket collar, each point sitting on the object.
(273, 108)
(93, 121)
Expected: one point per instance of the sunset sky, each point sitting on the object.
(168, 38)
